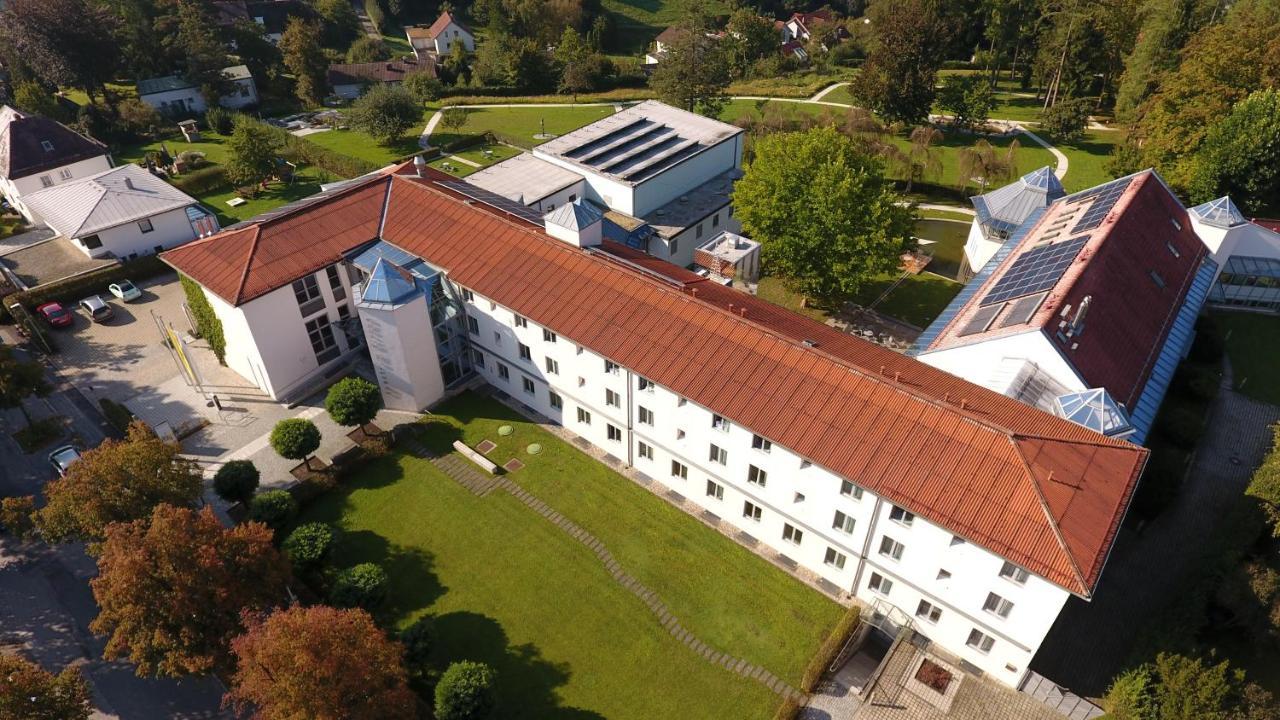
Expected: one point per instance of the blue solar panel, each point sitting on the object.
(496, 201)
(1104, 198)
(1036, 270)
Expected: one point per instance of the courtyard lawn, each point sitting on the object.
(1253, 344)
(1087, 158)
(361, 145)
(917, 300)
(519, 125)
(509, 588)
(452, 167)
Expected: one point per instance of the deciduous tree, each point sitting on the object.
(319, 662)
(353, 402)
(19, 380)
(1066, 120)
(465, 692)
(897, 80)
(693, 74)
(827, 219)
(385, 112)
(367, 49)
(968, 99)
(749, 37)
(295, 438)
(204, 55)
(29, 692)
(68, 43)
(172, 589)
(984, 164)
(1176, 687)
(1241, 156)
(303, 56)
(254, 149)
(118, 481)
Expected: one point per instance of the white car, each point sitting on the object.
(125, 290)
(63, 458)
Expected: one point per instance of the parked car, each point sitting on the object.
(97, 308)
(125, 290)
(54, 314)
(63, 458)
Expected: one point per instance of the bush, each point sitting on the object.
(308, 544)
(353, 402)
(274, 508)
(465, 692)
(17, 516)
(295, 438)
(236, 481)
(827, 652)
(208, 325)
(219, 120)
(424, 87)
(367, 49)
(418, 639)
(1067, 120)
(363, 586)
(117, 415)
(1182, 425)
(202, 181)
(193, 159)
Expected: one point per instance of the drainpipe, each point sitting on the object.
(630, 433)
(866, 546)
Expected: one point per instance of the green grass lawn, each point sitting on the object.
(1253, 344)
(637, 22)
(452, 167)
(946, 187)
(508, 588)
(518, 125)
(945, 215)
(1087, 158)
(361, 145)
(917, 300)
(735, 109)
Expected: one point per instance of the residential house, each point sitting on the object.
(123, 212)
(801, 26)
(349, 80)
(38, 153)
(661, 44)
(893, 483)
(272, 15)
(663, 176)
(439, 38)
(176, 97)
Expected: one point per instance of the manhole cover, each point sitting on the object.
(533, 449)
(512, 465)
(506, 430)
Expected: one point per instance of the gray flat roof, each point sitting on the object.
(672, 219)
(523, 178)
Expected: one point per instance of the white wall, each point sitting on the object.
(977, 248)
(169, 229)
(244, 94)
(188, 101)
(560, 197)
(15, 189)
(685, 242)
(686, 175)
(453, 35)
(399, 340)
(612, 193)
(980, 362)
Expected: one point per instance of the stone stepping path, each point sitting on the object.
(464, 473)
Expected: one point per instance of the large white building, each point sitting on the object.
(892, 481)
(38, 153)
(663, 174)
(1247, 253)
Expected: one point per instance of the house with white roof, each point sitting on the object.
(1247, 253)
(123, 212)
(37, 152)
(662, 175)
(175, 96)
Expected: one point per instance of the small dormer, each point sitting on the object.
(577, 223)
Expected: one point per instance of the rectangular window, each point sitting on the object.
(528, 385)
(928, 611)
(65, 173)
(1173, 250)
(715, 220)
(834, 558)
(614, 433)
(681, 402)
(751, 510)
(46, 181)
(307, 293)
(646, 416)
(553, 366)
(320, 332)
(792, 534)
(646, 451)
(93, 242)
(145, 225)
(679, 470)
(468, 296)
(335, 283)
(1155, 278)
(880, 583)
(756, 476)
(504, 372)
(899, 515)
(980, 641)
(718, 454)
(548, 336)
(759, 443)
(997, 605)
(611, 367)
(525, 355)
(697, 232)
(719, 423)
(473, 326)
(850, 490)
(556, 401)
(715, 490)
(645, 385)
(46, 145)
(891, 548)
(612, 399)
(675, 246)
(477, 357)
(521, 322)
(843, 523)
(497, 338)
(1012, 572)
(584, 417)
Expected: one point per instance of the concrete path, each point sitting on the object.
(946, 208)
(1063, 163)
(826, 90)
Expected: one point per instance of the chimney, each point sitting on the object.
(419, 164)
(577, 223)
(128, 182)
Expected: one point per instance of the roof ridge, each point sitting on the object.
(248, 262)
(1053, 523)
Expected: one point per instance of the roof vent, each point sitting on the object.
(128, 182)
(419, 164)
(809, 343)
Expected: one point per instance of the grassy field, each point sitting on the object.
(508, 588)
(1087, 158)
(519, 125)
(361, 145)
(1253, 344)
(637, 22)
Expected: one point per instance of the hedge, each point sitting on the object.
(304, 152)
(203, 181)
(830, 648)
(76, 288)
(208, 325)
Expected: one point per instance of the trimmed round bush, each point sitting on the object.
(308, 544)
(364, 586)
(275, 508)
(465, 692)
(353, 401)
(418, 639)
(236, 481)
(295, 438)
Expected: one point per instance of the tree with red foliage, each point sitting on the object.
(172, 588)
(30, 692)
(319, 662)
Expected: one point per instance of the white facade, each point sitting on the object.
(14, 190)
(143, 237)
(189, 101)
(978, 249)
(453, 34)
(398, 338)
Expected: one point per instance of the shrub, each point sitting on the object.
(236, 481)
(295, 438)
(1198, 382)
(219, 120)
(367, 49)
(17, 516)
(1182, 425)
(465, 692)
(193, 159)
(353, 401)
(1066, 120)
(274, 508)
(202, 181)
(830, 647)
(208, 325)
(424, 87)
(418, 639)
(308, 544)
(364, 586)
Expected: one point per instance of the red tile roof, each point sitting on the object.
(1272, 225)
(442, 22)
(385, 71)
(1045, 493)
(1129, 314)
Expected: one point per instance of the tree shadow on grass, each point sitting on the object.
(413, 582)
(526, 681)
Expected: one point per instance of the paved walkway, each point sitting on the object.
(1091, 641)
(463, 472)
(826, 91)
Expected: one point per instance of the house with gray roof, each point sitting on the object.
(998, 213)
(175, 96)
(37, 152)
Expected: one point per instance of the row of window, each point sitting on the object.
(931, 613)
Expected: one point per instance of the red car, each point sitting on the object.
(54, 314)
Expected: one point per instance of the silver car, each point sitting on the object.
(97, 308)
(63, 458)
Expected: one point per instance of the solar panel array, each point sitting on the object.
(1021, 310)
(1036, 270)
(634, 151)
(495, 200)
(1105, 198)
(980, 321)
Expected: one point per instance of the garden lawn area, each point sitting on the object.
(397, 44)
(797, 84)
(946, 187)
(518, 125)
(509, 588)
(1253, 344)
(1087, 158)
(361, 145)
(637, 22)
(735, 109)
(918, 300)
(452, 167)
(211, 144)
